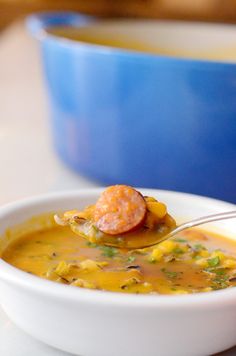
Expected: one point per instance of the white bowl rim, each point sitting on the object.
(10, 274)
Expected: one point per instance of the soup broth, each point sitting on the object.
(195, 261)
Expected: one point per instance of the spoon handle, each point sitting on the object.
(204, 220)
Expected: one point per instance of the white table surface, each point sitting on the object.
(28, 165)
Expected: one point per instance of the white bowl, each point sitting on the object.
(96, 323)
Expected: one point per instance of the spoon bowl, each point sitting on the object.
(135, 241)
(131, 240)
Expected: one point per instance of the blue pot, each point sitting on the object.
(142, 119)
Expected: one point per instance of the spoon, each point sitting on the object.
(200, 221)
(130, 241)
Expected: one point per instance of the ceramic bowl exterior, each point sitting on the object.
(89, 322)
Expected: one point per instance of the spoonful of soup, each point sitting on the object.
(123, 218)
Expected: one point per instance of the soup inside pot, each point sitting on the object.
(175, 39)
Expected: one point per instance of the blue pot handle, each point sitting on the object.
(39, 22)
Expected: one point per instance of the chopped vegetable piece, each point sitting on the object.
(213, 262)
(90, 265)
(91, 244)
(156, 254)
(170, 274)
(198, 247)
(79, 282)
(178, 250)
(108, 251)
(157, 208)
(167, 246)
(180, 240)
(229, 263)
(63, 268)
(131, 259)
(130, 282)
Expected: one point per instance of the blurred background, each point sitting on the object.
(28, 162)
(204, 10)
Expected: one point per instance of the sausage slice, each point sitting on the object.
(119, 209)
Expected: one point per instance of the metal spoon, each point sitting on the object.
(196, 222)
(130, 241)
(200, 221)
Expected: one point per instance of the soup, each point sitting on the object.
(195, 261)
(78, 253)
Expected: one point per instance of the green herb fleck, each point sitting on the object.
(131, 259)
(151, 260)
(197, 257)
(108, 251)
(91, 244)
(220, 271)
(180, 240)
(221, 279)
(213, 262)
(219, 285)
(199, 247)
(178, 250)
(169, 274)
(95, 228)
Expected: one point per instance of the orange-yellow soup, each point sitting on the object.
(195, 261)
